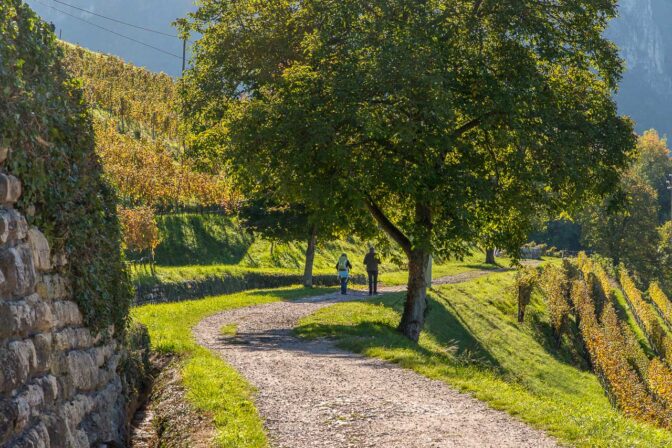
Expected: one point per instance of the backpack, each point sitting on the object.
(343, 264)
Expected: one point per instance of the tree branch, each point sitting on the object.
(388, 226)
(468, 126)
(477, 5)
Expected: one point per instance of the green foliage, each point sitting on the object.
(45, 123)
(561, 234)
(653, 164)
(473, 342)
(624, 226)
(275, 221)
(468, 114)
(448, 121)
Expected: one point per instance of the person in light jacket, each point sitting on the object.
(343, 267)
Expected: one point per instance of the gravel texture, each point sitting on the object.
(312, 394)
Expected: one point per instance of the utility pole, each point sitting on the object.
(184, 53)
(669, 187)
(60, 34)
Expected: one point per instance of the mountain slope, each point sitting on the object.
(645, 38)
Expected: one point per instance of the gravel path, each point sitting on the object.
(311, 394)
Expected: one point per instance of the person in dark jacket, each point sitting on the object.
(343, 267)
(371, 261)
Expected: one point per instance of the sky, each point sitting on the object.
(71, 23)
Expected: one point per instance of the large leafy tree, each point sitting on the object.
(286, 223)
(653, 165)
(437, 117)
(623, 226)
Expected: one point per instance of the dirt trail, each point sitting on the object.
(312, 394)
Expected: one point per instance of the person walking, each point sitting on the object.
(343, 267)
(371, 261)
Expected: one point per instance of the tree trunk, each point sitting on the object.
(152, 268)
(416, 295)
(310, 258)
(418, 255)
(490, 256)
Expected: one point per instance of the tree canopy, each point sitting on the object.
(623, 226)
(653, 165)
(440, 118)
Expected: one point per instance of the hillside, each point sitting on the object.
(472, 342)
(641, 32)
(140, 99)
(70, 24)
(644, 37)
(137, 135)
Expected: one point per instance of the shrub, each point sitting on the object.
(571, 269)
(620, 336)
(227, 283)
(555, 285)
(622, 384)
(646, 317)
(605, 263)
(583, 262)
(662, 302)
(526, 279)
(660, 381)
(141, 233)
(604, 282)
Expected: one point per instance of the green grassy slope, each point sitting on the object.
(194, 239)
(473, 342)
(197, 246)
(208, 239)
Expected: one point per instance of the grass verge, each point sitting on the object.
(212, 385)
(390, 274)
(473, 342)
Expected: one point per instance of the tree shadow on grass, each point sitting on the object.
(446, 325)
(366, 336)
(568, 350)
(487, 267)
(458, 343)
(189, 239)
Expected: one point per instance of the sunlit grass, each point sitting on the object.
(390, 274)
(473, 342)
(212, 385)
(228, 330)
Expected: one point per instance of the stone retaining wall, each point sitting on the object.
(228, 284)
(59, 384)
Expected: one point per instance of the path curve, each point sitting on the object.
(312, 394)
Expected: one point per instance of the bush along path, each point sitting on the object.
(311, 393)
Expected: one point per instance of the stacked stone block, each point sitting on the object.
(59, 383)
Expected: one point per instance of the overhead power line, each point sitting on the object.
(111, 31)
(116, 20)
